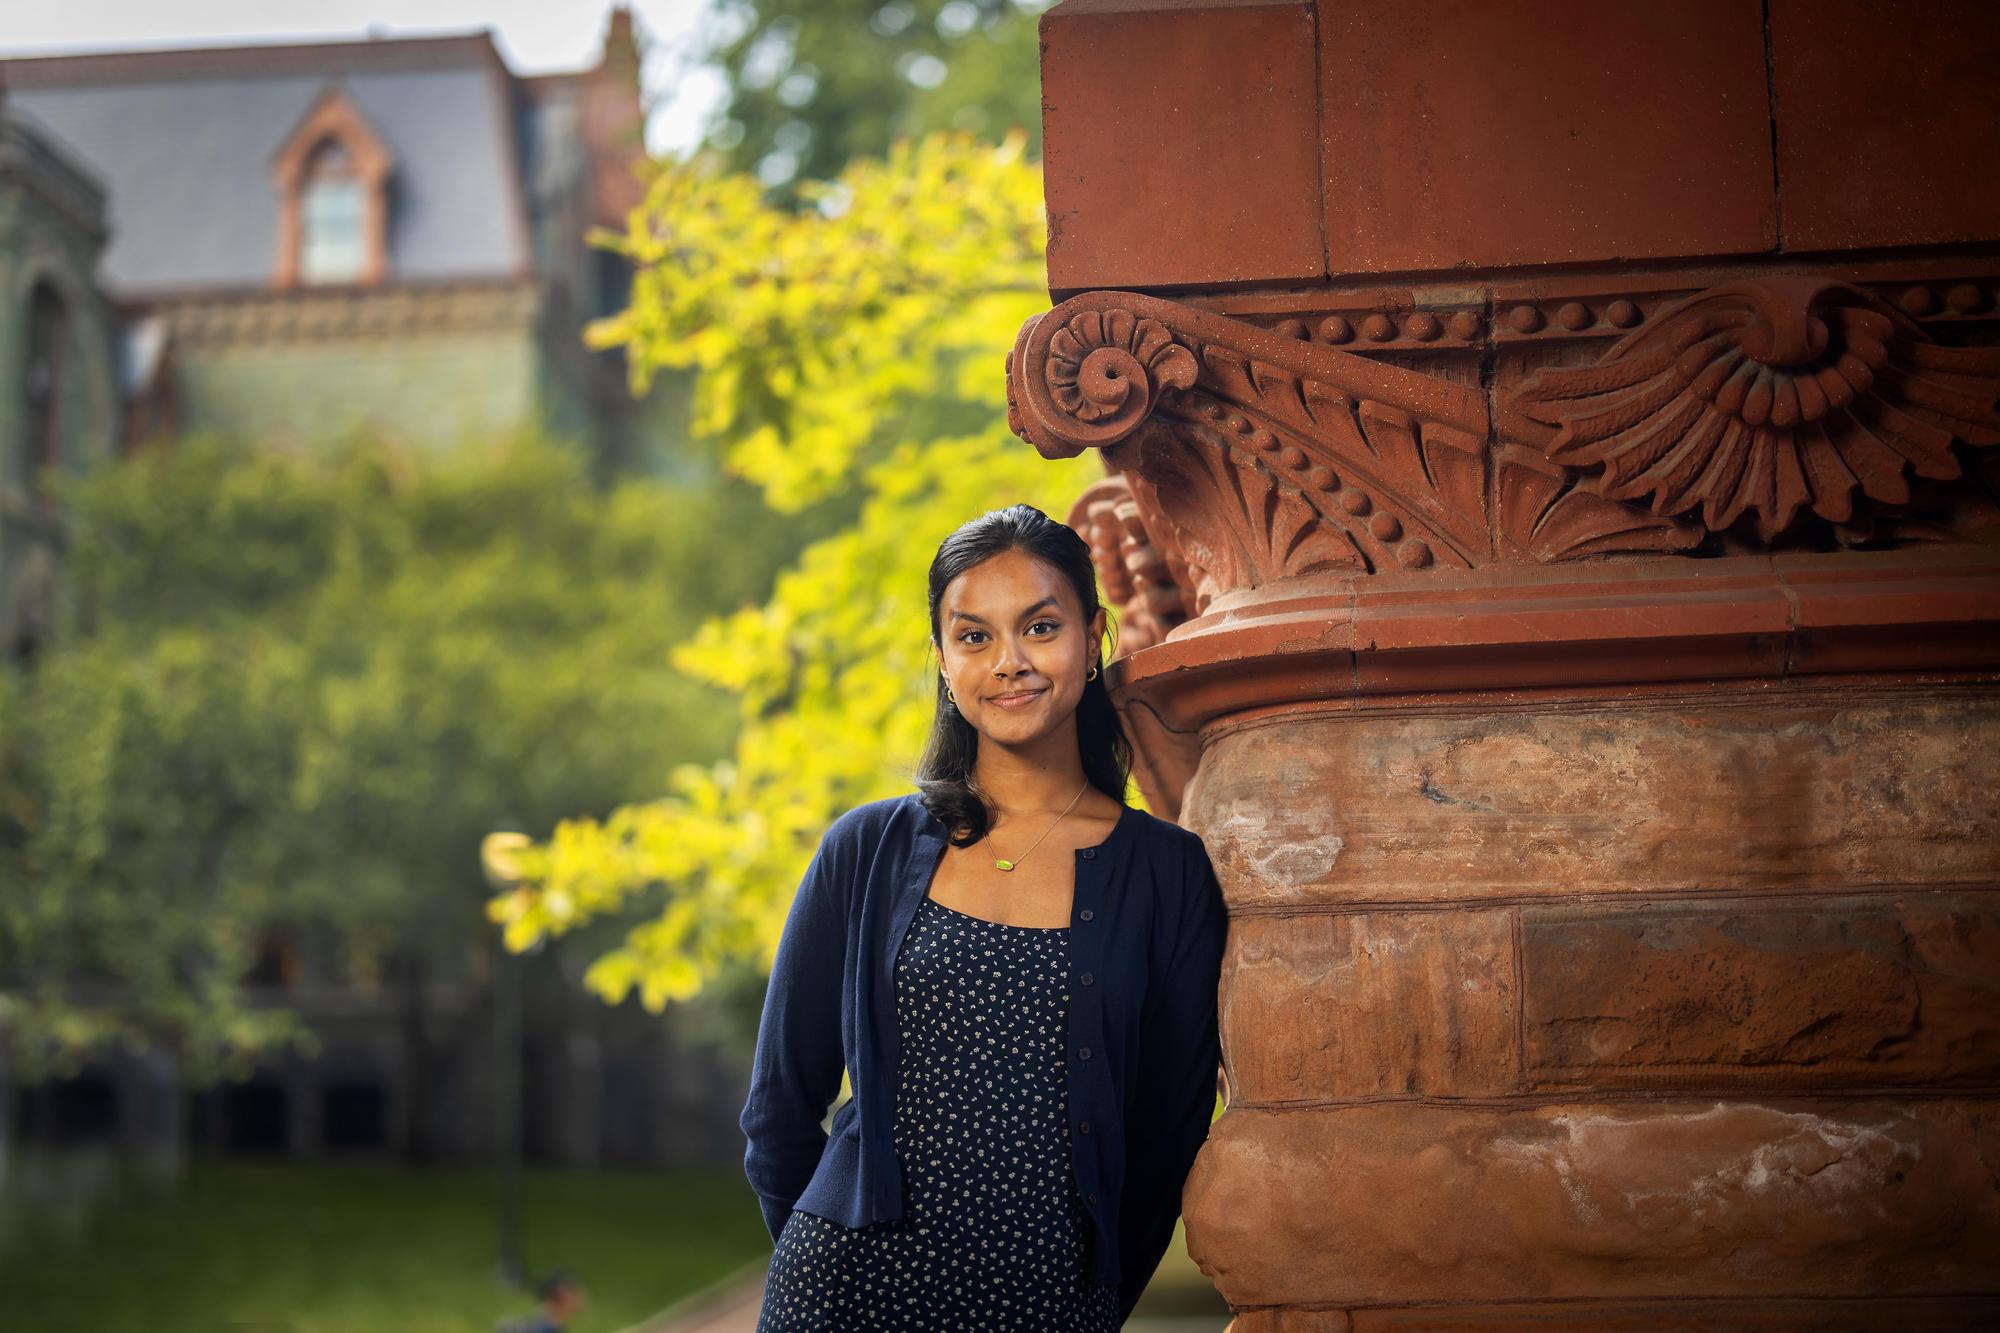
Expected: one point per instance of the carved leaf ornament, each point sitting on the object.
(1766, 397)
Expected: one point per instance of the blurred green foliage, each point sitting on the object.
(814, 84)
(858, 346)
(301, 690)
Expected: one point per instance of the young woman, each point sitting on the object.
(1017, 970)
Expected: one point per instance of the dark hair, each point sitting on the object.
(944, 774)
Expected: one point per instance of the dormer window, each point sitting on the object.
(332, 177)
(332, 205)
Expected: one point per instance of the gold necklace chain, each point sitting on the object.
(1002, 863)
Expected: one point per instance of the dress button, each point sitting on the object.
(1089, 853)
(1083, 1053)
(1088, 979)
(1086, 914)
(1084, 1127)
(1092, 1196)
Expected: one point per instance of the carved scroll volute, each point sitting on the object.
(1087, 379)
(1766, 397)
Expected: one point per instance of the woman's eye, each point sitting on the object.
(1050, 623)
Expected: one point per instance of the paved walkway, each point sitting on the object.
(731, 1306)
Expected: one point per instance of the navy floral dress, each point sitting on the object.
(993, 1235)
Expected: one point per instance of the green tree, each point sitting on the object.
(854, 347)
(313, 684)
(814, 84)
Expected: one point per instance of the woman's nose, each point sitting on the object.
(1012, 658)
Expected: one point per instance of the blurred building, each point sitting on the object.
(284, 243)
(388, 233)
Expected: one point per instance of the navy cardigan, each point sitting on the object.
(1146, 935)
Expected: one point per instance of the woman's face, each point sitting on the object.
(1012, 625)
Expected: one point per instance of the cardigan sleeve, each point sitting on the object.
(795, 1070)
(1180, 1049)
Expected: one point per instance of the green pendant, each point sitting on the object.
(1004, 865)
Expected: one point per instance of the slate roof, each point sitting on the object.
(185, 141)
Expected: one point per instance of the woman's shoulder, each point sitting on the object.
(868, 821)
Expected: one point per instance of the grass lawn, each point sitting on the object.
(282, 1248)
(279, 1248)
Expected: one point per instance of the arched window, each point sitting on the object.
(332, 177)
(28, 562)
(42, 386)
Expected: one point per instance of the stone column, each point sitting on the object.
(1582, 672)
(1602, 927)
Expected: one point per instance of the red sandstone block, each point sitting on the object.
(1622, 630)
(1369, 1004)
(1410, 1203)
(1475, 133)
(1934, 1314)
(1791, 791)
(1833, 991)
(1913, 163)
(1948, 615)
(1180, 143)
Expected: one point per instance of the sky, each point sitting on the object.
(534, 35)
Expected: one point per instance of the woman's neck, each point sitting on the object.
(1024, 784)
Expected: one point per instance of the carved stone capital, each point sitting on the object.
(1253, 455)
(1256, 457)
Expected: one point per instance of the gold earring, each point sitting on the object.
(947, 692)
(1092, 673)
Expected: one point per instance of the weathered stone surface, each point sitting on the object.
(1796, 791)
(1369, 1004)
(1413, 1203)
(1155, 116)
(1868, 990)
(1452, 141)
(1938, 1314)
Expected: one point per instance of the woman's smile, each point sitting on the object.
(1020, 700)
